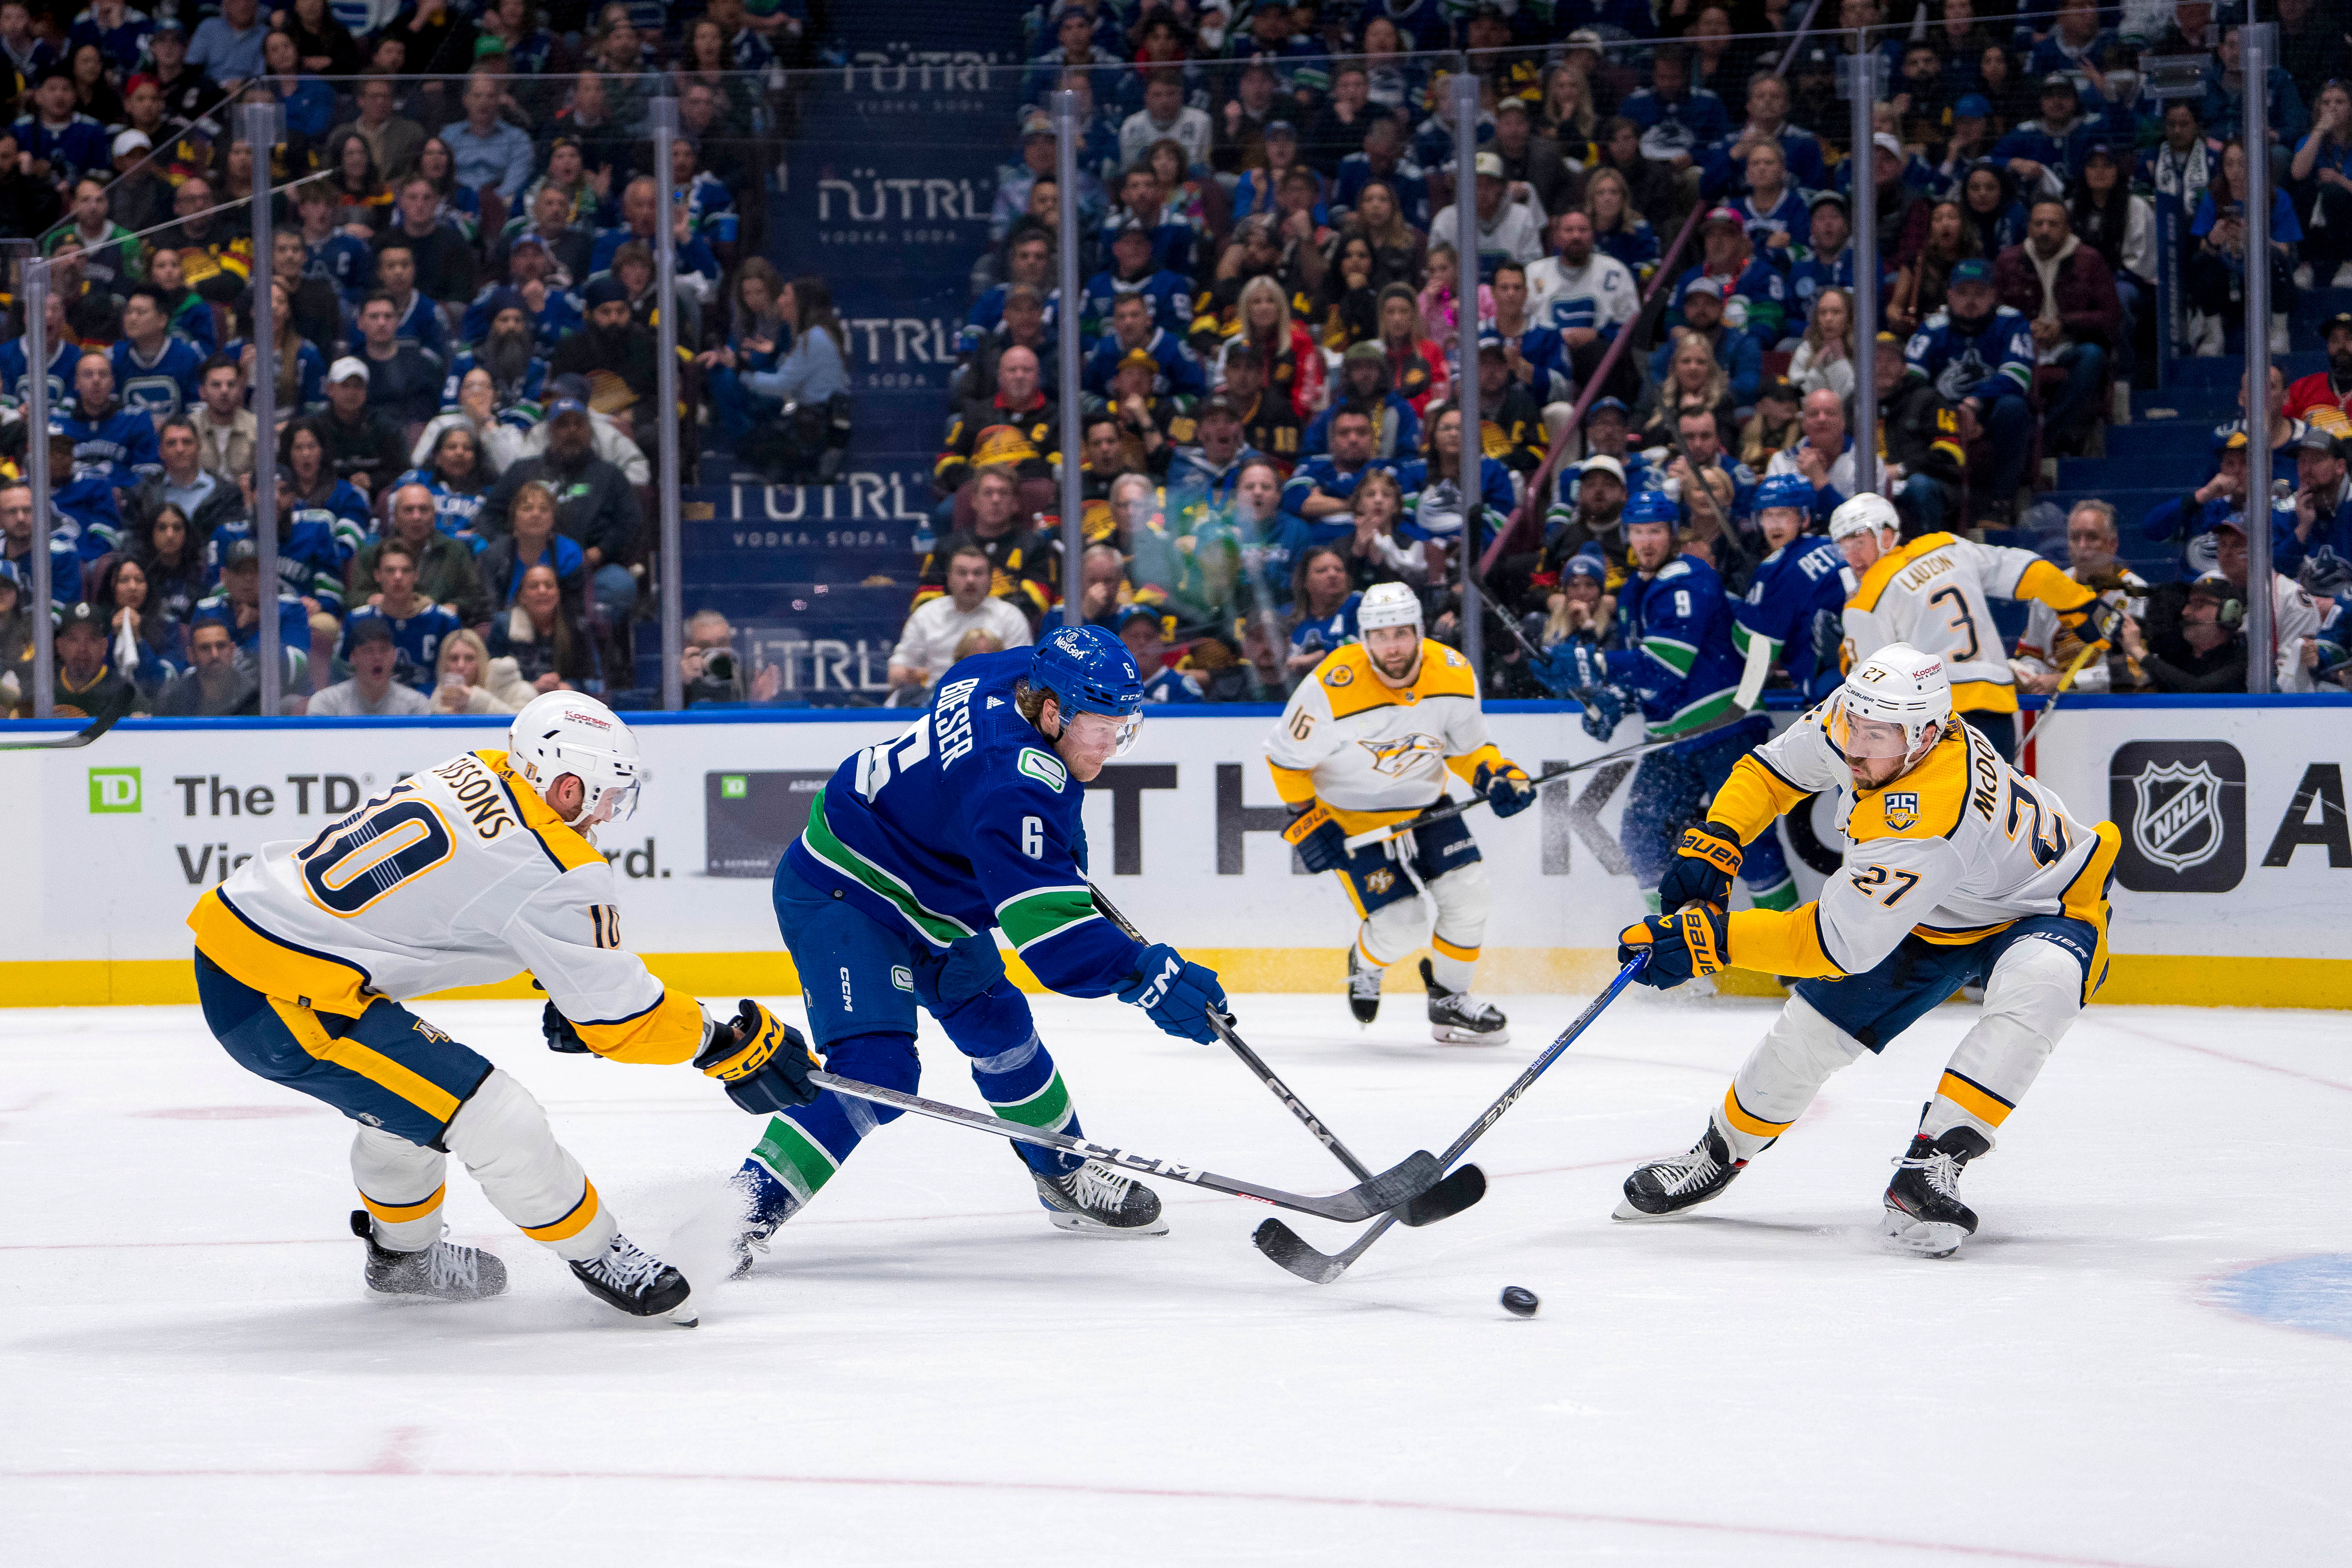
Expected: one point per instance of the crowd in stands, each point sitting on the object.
(1273, 314)
(459, 336)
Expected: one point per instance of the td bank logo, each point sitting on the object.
(113, 790)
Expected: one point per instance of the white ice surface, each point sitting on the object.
(924, 1372)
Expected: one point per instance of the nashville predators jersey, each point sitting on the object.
(458, 875)
(1952, 851)
(1933, 594)
(1377, 754)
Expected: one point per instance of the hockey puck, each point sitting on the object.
(1520, 1301)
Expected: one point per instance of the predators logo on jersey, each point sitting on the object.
(1392, 756)
(1902, 810)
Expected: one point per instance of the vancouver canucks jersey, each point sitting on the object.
(456, 875)
(16, 380)
(969, 820)
(1678, 654)
(1794, 605)
(162, 387)
(119, 447)
(1995, 360)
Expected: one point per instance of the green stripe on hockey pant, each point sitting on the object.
(802, 1148)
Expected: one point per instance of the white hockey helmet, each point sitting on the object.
(1889, 702)
(1865, 513)
(560, 733)
(1388, 604)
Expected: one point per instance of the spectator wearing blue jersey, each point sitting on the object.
(307, 103)
(334, 254)
(1134, 269)
(1143, 206)
(1323, 607)
(1767, 121)
(110, 442)
(1176, 373)
(1717, 492)
(17, 546)
(1733, 353)
(1435, 502)
(62, 142)
(236, 604)
(2224, 107)
(1978, 355)
(119, 32)
(2214, 277)
(1754, 292)
(531, 540)
(1790, 617)
(1028, 264)
(459, 477)
(1678, 121)
(416, 625)
(1242, 559)
(1382, 160)
(300, 370)
(1778, 222)
(1320, 492)
(2045, 154)
(82, 506)
(156, 372)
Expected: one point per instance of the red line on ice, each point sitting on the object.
(2224, 1056)
(1560, 1516)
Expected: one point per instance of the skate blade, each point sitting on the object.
(1626, 1211)
(1079, 1225)
(685, 1314)
(1446, 1036)
(1920, 1238)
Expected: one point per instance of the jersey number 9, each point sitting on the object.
(362, 858)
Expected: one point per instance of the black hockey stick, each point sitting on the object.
(1415, 1174)
(1731, 715)
(1282, 1244)
(1449, 1197)
(87, 733)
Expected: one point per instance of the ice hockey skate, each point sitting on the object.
(1363, 986)
(1458, 1018)
(1924, 1212)
(1095, 1200)
(1664, 1188)
(445, 1271)
(626, 1276)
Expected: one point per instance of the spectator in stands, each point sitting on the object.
(1164, 116)
(140, 199)
(1824, 360)
(1023, 326)
(371, 689)
(1738, 276)
(144, 645)
(2047, 650)
(227, 47)
(87, 685)
(17, 546)
(531, 540)
(403, 381)
(2214, 275)
(236, 604)
(188, 90)
(1706, 363)
(1199, 477)
(173, 555)
(2108, 217)
(1017, 427)
(298, 372)
(223, 425)
(110, 255)
(218, 684)
(1980, 357)
(466, 679)
(2323, 167)
(391, 140)
(322, 44)
(62, 142)
(617, 356)
(697, 268)
(1435, 504)
(2331, 387)
(1270, 424)
(2063, 290)
(1397, 246)
(2323, 500)
(444, 262)
(926, 644)
(1134, 272)
(364, 445)
(1023, 566)
(1776, 425)
(1382, 160)
(2224, 107)
(455, 207)
(204, 499)
(1320, 492)
(109, 442)
(458, 476)
(16, 639)
(490, 154)
(1416, 366)
(709, 670)
(1823, 455)
(595, 506)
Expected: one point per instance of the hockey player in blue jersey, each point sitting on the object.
(1679, 666)
(917, 852)
(1790, 615)
(155, 371)
(111, 442)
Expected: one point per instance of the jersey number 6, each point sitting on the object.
(362, 860)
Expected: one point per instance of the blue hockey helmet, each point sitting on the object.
(1785, 490)
(1088, 670)
(1653, 506)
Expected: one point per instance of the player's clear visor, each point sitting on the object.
(617, 803)
(1866, 739)
(1089, 729)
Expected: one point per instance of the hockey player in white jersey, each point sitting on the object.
(458, 876)
(1366, 742)
(1960, 871)
(1932, 595)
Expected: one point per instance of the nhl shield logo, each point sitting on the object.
(1903, 810)
(2182, 806)
(2178, 823)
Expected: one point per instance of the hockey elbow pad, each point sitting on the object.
(1702, 867)
(1690, 942)
(763, 1061)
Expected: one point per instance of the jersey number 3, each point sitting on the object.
(364, 857)
(1963, 620)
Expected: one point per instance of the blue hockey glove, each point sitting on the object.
(1178, 995)
(763, 1061)
(1702, 867)
(1318, 837)
(1507, 789)
(1604, 710)
(1691, 941)
(1586, 665)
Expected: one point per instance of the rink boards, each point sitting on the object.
(2234, 887)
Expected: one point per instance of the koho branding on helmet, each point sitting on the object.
(1898, 686)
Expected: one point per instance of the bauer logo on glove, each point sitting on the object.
(1692, 941)
(763, 1061)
